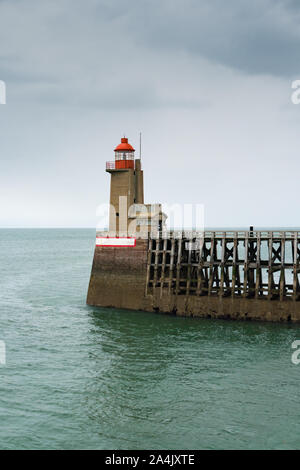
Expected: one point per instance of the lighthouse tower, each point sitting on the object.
(119, 271)
(126, 187)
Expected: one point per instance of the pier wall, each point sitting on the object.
(118, 277)
(225, 307)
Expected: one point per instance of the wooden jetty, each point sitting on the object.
(249, 264)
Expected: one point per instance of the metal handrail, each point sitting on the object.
(110, 165)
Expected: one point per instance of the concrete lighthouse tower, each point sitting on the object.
(119, 270)
(126, 187)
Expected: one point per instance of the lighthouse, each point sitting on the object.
(118, 274)
(126, 187)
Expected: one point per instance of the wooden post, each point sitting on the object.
(211, 262)
(199, 270)
(163, 266)
(295, 267)
(270, 272)
(246, 268)
(188, 283)
(282, 270)
(251, 260)
(178, 265)
(150, 244)
(234, 264)
(221, 291)
(171, 264)
(156, 262)
(258, 268)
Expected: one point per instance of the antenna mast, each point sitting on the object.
(140, 146)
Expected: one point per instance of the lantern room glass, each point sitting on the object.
(124, 155)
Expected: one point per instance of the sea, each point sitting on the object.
(78, 377)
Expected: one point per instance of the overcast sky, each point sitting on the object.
(207, 82)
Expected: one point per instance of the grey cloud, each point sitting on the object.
(90, 52)
(257, 37)
(85, 53)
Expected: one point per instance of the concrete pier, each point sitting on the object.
(251, 275)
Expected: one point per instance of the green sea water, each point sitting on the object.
(80, 377)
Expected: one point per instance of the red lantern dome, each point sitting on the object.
(124, 155)
(124, 146)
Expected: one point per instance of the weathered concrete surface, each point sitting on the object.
(226, 307)
(126, 183)
(118, 279)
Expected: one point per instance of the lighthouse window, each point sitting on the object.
(124, 156)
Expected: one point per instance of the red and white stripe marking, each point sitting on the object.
(115, 241)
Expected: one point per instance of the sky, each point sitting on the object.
(207, 82)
